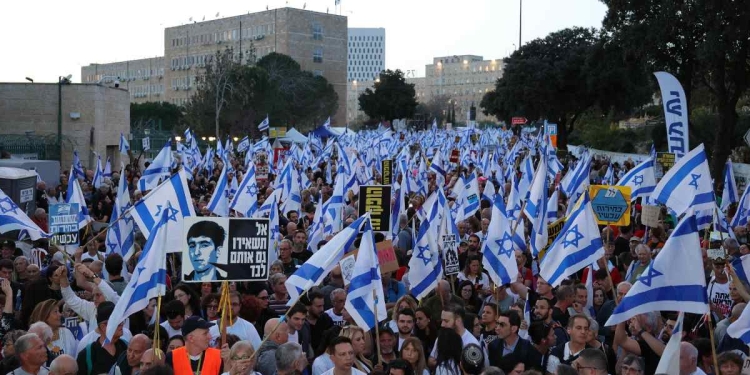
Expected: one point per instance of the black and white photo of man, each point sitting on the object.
(205, 241)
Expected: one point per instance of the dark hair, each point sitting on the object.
(113, 264)
(328, 335)
(173, 309)
(401, 364)
(595, 358)
(163, 335)
(408, 311)
(730, 357)
(297, 308)
(449, 347)
(457, 310)
(208, 229)
(177, 337)
(538, 331)
(195, 299)
(563, 292)
(492, 306)
(572, 320)
(513, 318)
(158, 369)
(563, 369)
(580, 286)
(545, 299)
(6, 264)
(311, 296)
(336, 341)
(468, 320)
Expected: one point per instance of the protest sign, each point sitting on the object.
(376, 199)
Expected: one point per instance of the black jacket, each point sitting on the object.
(523, 352)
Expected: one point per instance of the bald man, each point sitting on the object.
(150, 359)
(63, 365)
(131, 359)
(276, 336)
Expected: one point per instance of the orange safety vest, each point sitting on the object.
(181, 362)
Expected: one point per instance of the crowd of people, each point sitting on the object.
(57, 306)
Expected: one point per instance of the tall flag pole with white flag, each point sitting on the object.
(536, 207)
(149, 278)
(124, 145)
(675, 113)
(76, 196)
(246, 199)
(263, 126)
(670, 358)
(365, 300)
(219, 203)
(120, 235)
(578, 245)
(425, 267)
(674, 281)
(729, 195)
(160, 167)
(499, 258)
(740, 329)
(640, 179)
(98, 172)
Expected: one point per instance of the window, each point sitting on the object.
(317, 73)
(318, 55)
(317, 31)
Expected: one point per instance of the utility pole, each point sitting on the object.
(520, 21)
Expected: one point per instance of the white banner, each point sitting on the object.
(741, 176)
(675, 113)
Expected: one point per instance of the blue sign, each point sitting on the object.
(63, 223)
(610, 204)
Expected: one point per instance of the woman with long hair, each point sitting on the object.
(473, 272)
(50, 312)
(210, 306)
(357, 335)
(413, 352)
(189, 298)
(468, 294)
(599, 298)
(449, 347)
(424, 328)
(255, 308)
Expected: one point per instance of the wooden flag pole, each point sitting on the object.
(377, 329)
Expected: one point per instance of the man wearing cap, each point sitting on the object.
(718, 290)
(99, 356)
(7, 249)
(196, 357)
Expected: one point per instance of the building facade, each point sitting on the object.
(144, 78)
(317, 41)
(366, 58)
(93, 116)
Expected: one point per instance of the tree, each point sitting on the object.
(392, 98)
(436, 108)
(167, 114)
(560, 77)
(704, 43)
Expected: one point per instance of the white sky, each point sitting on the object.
(48, 38)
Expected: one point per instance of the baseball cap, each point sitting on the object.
(194, 322)
(104, 311)
(8, 243)
(635, 238)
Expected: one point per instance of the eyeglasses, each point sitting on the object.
(212, 307)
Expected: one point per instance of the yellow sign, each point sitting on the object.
(553, 230)
(276, 132)
(611, 204)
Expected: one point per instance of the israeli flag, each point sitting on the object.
(334, 215)
(293, 201)
(246, 199)
(188, 136)
(172, 196)
(120, 235)
(740, 329)
(670, 358)
(437, 167)
(687, 185)
(640, 179)
(674, 281)
(263, 126)
(149, 278)
(470, 201)
(741, 267)
(124, 145)
(160, 167)
(327, 124)
(513, 206)
(108, 169)
(316, 233)
(552, 206)
(729, 195)
(536, 208)
(396, 212)
(316, 268)
(499, 258)
(12, 219)
(365, 300)
(578, 245)
(219, 203)
(244, 144)
(78, 171)
(740, 217)
(425, 266)
(76, 196)
(98, 172)
(489, 191)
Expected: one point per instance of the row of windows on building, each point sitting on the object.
(182, 83)
(364, 69)
(180, 101)
(464, 69)
(253, 32)
(108, 75)
(185, 62)
(143, 91)
(459, 81)
(366, 38)
(362, 76)
(365, 59)
(365, 44)
(365, 50)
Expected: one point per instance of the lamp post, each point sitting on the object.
(60, 81)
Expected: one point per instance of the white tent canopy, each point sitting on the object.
(292, 135)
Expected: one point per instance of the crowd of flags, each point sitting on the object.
(674, 281)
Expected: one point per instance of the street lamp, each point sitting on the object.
(178, 138)
(60, 81)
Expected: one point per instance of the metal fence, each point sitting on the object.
(31, 146)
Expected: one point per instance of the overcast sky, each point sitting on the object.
(49, 38)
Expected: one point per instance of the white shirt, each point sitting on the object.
(322, 364)
(554, 361)
(484, 281)
(294, 337)
(698, 371)
(467, 338)
(93, 336)
(171, 331)
(354, 372)
(338, 320)
(241, 328)
(65, 344)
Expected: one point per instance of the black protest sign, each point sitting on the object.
(450, 254)
(376, 199)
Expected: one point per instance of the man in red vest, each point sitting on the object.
(196, 358)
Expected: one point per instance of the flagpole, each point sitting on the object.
(377, 328)
(282, 320)
(156, 346)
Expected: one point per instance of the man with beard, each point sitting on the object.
(543, 313)
(474, 243)
(510, 349)
(405, 323)
(317, 321)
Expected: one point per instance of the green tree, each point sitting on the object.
(436, 108)
(167, 114)
(562, 76)
(392, 98)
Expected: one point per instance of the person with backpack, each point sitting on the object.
(101, 355)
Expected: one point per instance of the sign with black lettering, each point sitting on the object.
(664, 161)
(376, 199)
(450, 254)
(63, 223)
(233, 249)
(386, 178)
(553, 230)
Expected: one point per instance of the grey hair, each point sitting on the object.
(632, 358)
(275, 278)
(593, 325)
(337, 291)
(689, 350)
(492, 370)
(286, 355)
(595, 358)
(241, 345)
(41, 328)
(403, 219)
(25, 342)
(737, 310)
(21, 257)
(641, 246)
(286, 241)
(652, 321)
(58, 367)
(731, 244)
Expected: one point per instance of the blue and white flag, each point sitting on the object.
(12, 219)
(108, 169)
(246, 199)
(675, 113)
(172, 196)
(499, 258)
(327, 124)
(120, 235)
(160, 167)
(263, 126)
(334, 215)
(396, 212)
(686, 185)
(741, 267)
(124, 145)
(244, 144)
(552, 206)
(729, 195)
(76, 196)
(536, 208)
(316, 268)
(674, 281)
(293, 200)
(316, 232)
(670, 358)
(98, 172)
(578, 245)
(219, 203)
(489, 191)
(740, 329)
(365, 300)
(78, 172)
(425, 266)
(469, 198)
(149, 278)
(743, 209)
(640, 179)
